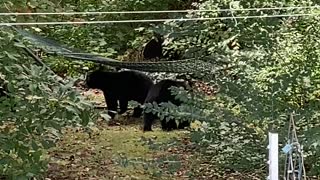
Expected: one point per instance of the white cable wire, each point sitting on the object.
(154, 12)
(153, 20)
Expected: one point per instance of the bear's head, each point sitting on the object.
(95, 79)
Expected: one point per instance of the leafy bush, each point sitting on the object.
(276, 74)
(37, 108)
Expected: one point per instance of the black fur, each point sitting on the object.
(158, 93)
(121, 86)
(153, 48)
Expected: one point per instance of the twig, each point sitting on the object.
(39, 60)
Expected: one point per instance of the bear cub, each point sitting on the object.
(121, 86)
(159, 93)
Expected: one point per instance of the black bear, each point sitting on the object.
(153, 49)
(123, 86)
(158, 93)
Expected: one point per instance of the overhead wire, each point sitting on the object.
(153, 20)
(155, 12)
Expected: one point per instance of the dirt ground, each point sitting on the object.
(120, 150)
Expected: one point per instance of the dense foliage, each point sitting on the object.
(36, 108)
(276, 73)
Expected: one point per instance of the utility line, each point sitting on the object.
(152, 20)
(162, 11)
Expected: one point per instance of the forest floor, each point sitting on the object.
(120, 150)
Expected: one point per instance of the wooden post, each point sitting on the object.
(273, 156)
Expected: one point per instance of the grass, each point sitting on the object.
(104, 154)
(122, 151)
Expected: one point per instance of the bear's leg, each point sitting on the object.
(168, 125)
(137, 111)
(164, 125)
(148, 120)
(112, 104)
(183, 124)
(123, 105)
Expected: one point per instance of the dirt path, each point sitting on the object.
(115, 153)
(116, 150)
(120, 150)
